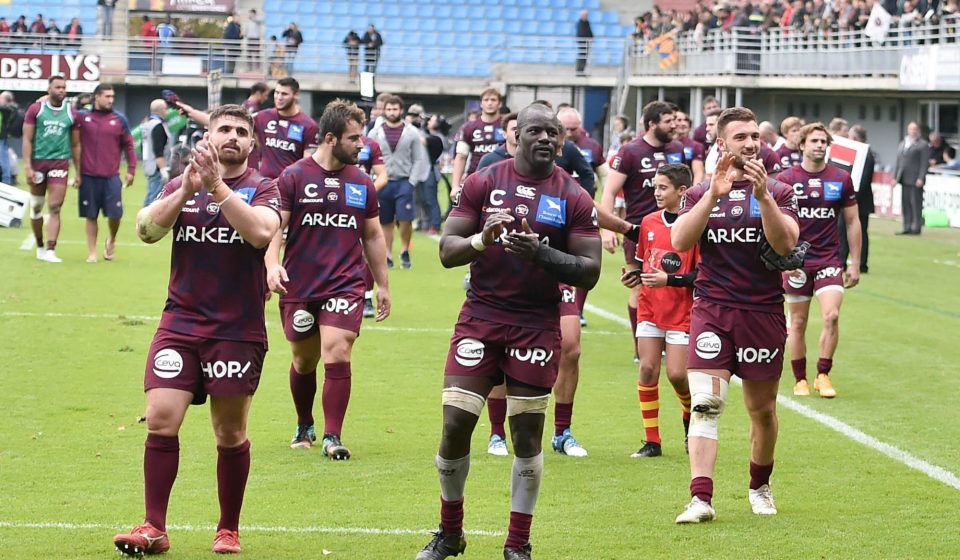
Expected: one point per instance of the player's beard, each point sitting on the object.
(662, 136)
(344, 156)
(392, 119)
(232, 157)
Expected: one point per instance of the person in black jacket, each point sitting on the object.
(372, 41)
(864, 202)
(584, 38)
(352, 43)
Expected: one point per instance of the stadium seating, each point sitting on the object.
(60, 10)
(451, 37)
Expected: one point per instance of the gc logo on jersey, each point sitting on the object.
(832, 190)
(356, 195)
(552, 211)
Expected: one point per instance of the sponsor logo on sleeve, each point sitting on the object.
(708, 345)
(552, 211)
(754, 208)
(246, 194)
(356, 195)
(469, 352)
(674, 158)
(832, 190)
(295, 132)
(167, 363)
(499, 135)
(688, 152)
(364, 155)
(587, 154)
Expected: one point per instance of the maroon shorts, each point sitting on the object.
(811, 281)
(630, 252)
(302, 320)
(747, 343)
(568, 301)
(203, 366)
(487, 349)
(48, 172)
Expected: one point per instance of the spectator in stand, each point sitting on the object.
(4, 31)
(38, 27)
(584, 39)
(232, 34)
(74, 32)
(941, 152)
(166, 32)
(105, 17)
(352, 44)
(292, 40)
(276, 54)
(372, 42)
(252, 32)
(148, 31)
(53, 34)
(20, 26)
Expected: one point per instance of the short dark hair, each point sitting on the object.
(734, 114)
(101, 87)
(336, 115)
(504, 120)
(260, 87)
(653, 111)
(543, 102)
(54, 78)
(289, 82)
(677, 173)
(231, 110)
(393, 100)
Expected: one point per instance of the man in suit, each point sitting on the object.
(865, 205)
(913, 158)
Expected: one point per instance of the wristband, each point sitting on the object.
(477, 243)
(226, 198)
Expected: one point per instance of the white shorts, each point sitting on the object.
(646, 329)
(619, 202)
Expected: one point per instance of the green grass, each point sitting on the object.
(71, 448)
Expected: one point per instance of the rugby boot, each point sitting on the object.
(227, 542)
(649, 449)
(443, 546)
(515, 553)
(823, 386)
(802, 388)
(304, 437)
(497, 446)
(568, 445)
(697, 511)
(143, 539)
(761, 501)
(333, 448)
(405, 260)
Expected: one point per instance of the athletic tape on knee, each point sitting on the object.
(463, 399)
(525, 487)
(707, 401)
(36, 206)
(527, 405)
(453, 476)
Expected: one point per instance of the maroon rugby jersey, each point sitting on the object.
(591, 149)
(771, 161)
(507, 289)
(281, 141)
(789, 157)
(483, 138)
(370, 155)
(218, 283)
(324, 256)
(639, 161)
(731, 272)
(821, 197)
(692, 150)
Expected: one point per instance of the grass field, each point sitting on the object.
(75, 335)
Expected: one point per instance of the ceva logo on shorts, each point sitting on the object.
(756, 355)
(536, 356)
(469, 352)
(797, 279)
(167, 363)
(708, 345)
(221, 369)
(302, 320)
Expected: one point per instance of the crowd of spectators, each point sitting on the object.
(40, 31)
(810, 18)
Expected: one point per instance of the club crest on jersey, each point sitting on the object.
(675, 158)
(552, 211)
(332, 196)
(736, 211)
(356, 195)
(832, 190)
(814, 194)
(521, 211)
(754, 208)
(295, 132)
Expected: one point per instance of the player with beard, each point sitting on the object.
(736, 324)
(329, 207)
(693, 151)
(823, 191)
(789, 153)
(477, 138)
(509, 325)
(632, 172)
(50, 140)
(212, 338)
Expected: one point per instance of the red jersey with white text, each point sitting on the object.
(218, 283)
(507, 289)
(821, 197)
(730, 271)
(281, 141)
(324, 254)
(667, 307)
(639, 161)
(482, 138)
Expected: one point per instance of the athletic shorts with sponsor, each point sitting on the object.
(569, 302)
(302, 320)
(50, 171)
(203, 366)
(487, 349)
(806, 282)
(747, 343)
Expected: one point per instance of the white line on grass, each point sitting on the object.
(246, 529)
(933, 471)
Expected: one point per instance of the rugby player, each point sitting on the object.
(737, 324)
(823, 192)
(371, 162)
(789, 152)
(663, 310)
(476, 138)
(212, 338)
(508, 328)
(329, 207)
(50, 140)
(700, 134)
(693, 151)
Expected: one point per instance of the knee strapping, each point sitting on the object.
(36, 206)
(708, 399)
(527, 405)
(464, 400)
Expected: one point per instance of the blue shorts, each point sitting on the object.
(396, 202)
(100, 194)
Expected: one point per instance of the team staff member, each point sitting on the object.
(212, 338)
(50, 141)
(329, 209)
(508, 328)
(105, 135)
(156, 147)
(737, 321)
